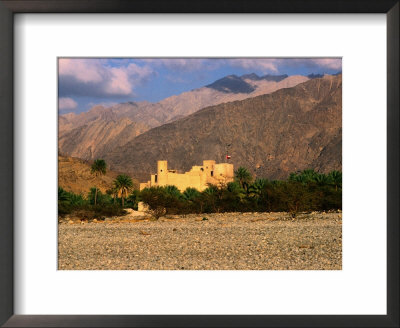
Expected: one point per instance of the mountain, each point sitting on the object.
(255, 77)
(231, 84)
(92, 134)
(272, 135)
(92, 139)
(74, 175)
(315, 76)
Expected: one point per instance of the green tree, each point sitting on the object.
(211, 190)
(298, 177)
(99, 167)
(190, 194)
(112, 192)
(159, 201)
(336, 179)
(256, 188)
(173, 191)
(68, 201)
(210, 199)
(101, 198)
(295, 196)
(308, 175)
(94, 196)
(243, 176)
(235, 190)
(124, 185)
(233, 196)
(63, 196)
(322, 179)
(133, 199)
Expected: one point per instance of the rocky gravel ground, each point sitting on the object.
(228, 241)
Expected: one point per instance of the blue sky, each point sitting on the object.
(85, 82)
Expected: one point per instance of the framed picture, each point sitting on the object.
(197, 154)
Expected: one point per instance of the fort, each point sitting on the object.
(198, 177)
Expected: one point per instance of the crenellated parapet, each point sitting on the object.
(198, 177)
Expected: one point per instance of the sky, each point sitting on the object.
(86, 82)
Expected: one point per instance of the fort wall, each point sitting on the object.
(198, 177)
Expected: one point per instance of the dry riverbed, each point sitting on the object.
(228, 241)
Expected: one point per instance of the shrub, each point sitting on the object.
(303, 191)
(67, 201)
(133, 200)
(70, 203)
(161, 201)
(101, 199)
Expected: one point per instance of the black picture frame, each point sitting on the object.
(7, 10)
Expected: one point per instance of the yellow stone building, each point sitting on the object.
(198, 177)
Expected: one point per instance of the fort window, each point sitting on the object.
(155, 178)
(202, 169)
(212, 173)
(160, 170)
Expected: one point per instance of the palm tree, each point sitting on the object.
(190, 194)
(298, 177)
(235, 190)
(99, 167)
(173, 191)
(336, 178)
(322, 179)
(63, 195)
(243, 176)
(308, 175)
(257, 187)
(211, 190)
(113, 192)
(124, 185)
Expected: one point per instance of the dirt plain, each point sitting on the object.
(227, 241)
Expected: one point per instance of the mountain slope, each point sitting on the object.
(231, 84)
(91, 134)
(74, 175)
(272, 135)
(93, 139)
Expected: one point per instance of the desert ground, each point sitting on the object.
(227, 241)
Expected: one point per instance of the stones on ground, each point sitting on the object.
(306, 246)
(227, 241)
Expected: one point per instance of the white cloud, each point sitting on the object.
(275, 65)
(196, 64)
(263, 64)
(311, 63)
(95, 78)
(83, 70)
(180, 64)
(332, 63)
(108, 78)
(66, 103)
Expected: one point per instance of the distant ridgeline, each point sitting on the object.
(275, 124)
(236, 84)
(272, 135)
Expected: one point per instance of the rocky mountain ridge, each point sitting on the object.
(272, 135)
(92, 134)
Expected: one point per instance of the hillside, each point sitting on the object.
(103, 133)
(74, 175)
(272, 135)
(92, 134)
